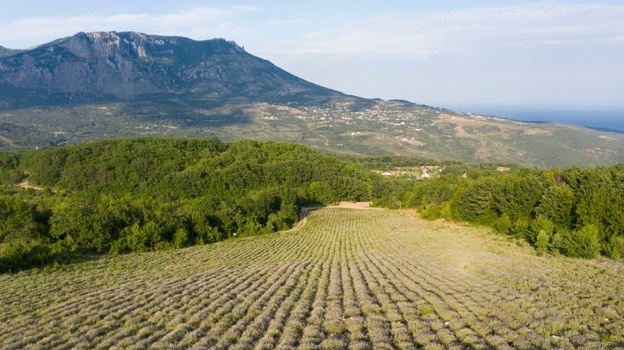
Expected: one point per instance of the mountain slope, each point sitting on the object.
(105, 66)
(109, 85)
(7, 52)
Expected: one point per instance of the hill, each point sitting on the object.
(153, 194)
(347, 279)
(107, 84)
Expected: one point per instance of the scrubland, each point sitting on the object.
(347, 279)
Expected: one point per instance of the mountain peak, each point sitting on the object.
(139, 43)
(124, 65)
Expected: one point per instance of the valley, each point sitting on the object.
(346, 125)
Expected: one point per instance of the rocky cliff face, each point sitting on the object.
(111, 65)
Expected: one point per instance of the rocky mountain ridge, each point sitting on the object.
(107, 66)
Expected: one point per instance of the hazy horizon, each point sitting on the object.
(598, 118)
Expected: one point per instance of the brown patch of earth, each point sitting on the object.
(355, 205)
(24, 184)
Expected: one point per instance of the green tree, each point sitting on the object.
(180, 238)
(320, 191)
(476, 203)
(518, 195)
(70, 219)
(557, 204)
(583, 243)
(604, 208)
(614, 247)
(539, 225)
(16, 220)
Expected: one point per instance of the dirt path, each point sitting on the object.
(8, 141)
(298, 226)
(355, 205)
(24, 184)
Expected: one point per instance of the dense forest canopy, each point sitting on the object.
(156, 193)
(575, 212)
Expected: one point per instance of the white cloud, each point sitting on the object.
(246, 8)
(399, 35)
(195, 21)
(558, 42)
(617, 38)
(548, 53)
(468, 32)
(285, 21)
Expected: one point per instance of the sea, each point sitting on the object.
(605, 120)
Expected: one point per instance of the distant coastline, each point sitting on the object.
(610, 121)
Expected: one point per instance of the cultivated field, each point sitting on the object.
(347, 279)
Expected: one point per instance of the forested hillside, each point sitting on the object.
(151, 194)
(576, 212)
(144, 194)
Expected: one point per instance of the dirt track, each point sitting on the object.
(355, 205)
(24, 184)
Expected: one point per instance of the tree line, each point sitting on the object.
(578, 212)
(142, 194)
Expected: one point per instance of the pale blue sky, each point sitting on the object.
(445, 53)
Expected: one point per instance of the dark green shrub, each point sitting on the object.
(583, 243)
(430, 212)
(543, 242)
(503, 224)
(520, 228)
(559, 241)
(540, 223)
(614, 248)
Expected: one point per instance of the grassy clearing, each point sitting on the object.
(348, 279)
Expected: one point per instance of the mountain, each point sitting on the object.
(7, 52)
(108, 66)
(109, 85)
